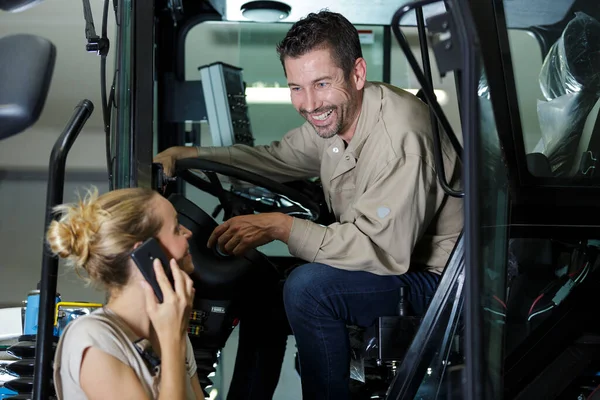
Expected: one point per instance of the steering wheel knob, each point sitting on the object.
(219, 251)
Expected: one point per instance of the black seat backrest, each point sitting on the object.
(26, 67)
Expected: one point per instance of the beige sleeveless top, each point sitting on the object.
(105, 331)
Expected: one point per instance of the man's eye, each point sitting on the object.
(322, 84)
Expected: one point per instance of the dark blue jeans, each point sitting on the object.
(321, 300)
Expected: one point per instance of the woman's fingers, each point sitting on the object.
(161, 278)
(182, 286)
(182, 283)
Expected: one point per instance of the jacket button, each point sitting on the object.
(335, 150)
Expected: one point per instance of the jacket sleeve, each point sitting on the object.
(296, 156)
(389, 219)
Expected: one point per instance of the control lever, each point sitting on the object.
(402, 304)
(159, 179)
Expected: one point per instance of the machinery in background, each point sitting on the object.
(26, 68)
(19, 363)
(68, 311)
(225, 101)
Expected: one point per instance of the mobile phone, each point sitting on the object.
(144, 257)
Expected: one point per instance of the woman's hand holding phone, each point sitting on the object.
(170, 322)
(171, 317)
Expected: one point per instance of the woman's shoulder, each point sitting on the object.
(99, 329)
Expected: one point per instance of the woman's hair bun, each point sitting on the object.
(72, 235)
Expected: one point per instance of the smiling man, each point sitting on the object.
(372, 146)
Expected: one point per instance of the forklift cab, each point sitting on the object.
(510, 316)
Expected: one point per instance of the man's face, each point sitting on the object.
(321, 93)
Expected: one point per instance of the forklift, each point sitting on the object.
(513, 316)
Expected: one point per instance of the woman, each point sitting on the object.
(134, 347)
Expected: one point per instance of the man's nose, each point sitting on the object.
(187, 232)
(311, 101)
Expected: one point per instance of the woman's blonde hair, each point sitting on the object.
(98, 233)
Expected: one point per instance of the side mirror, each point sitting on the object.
(26, 67)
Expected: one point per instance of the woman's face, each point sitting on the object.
(173, 236)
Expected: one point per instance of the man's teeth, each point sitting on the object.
(322, 117)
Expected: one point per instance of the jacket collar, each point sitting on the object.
(369, 116)
(370, 113)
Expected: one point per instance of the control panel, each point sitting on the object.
(226, 109)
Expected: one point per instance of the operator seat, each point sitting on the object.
(572, 67)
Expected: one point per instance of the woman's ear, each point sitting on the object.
(136, 245)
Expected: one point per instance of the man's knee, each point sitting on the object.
(302, 287)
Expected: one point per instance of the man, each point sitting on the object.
(372, 146)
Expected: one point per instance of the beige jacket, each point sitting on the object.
(382, 188)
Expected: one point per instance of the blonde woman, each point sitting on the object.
(134, 347)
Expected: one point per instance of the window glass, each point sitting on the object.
(524, 44)
(558, 88)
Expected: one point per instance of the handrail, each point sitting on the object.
(437, 114)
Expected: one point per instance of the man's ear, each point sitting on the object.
(359, 73)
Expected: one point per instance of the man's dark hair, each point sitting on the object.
(319, 31)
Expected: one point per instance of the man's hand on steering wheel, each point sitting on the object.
(239, 234)
(169, 156)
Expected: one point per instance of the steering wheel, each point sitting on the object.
(266, 195)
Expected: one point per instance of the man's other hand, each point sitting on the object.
(238, 234)
(169, 156)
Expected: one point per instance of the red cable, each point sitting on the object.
(500, 301)
(572, 274)
(535, 302)
(591, 394)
